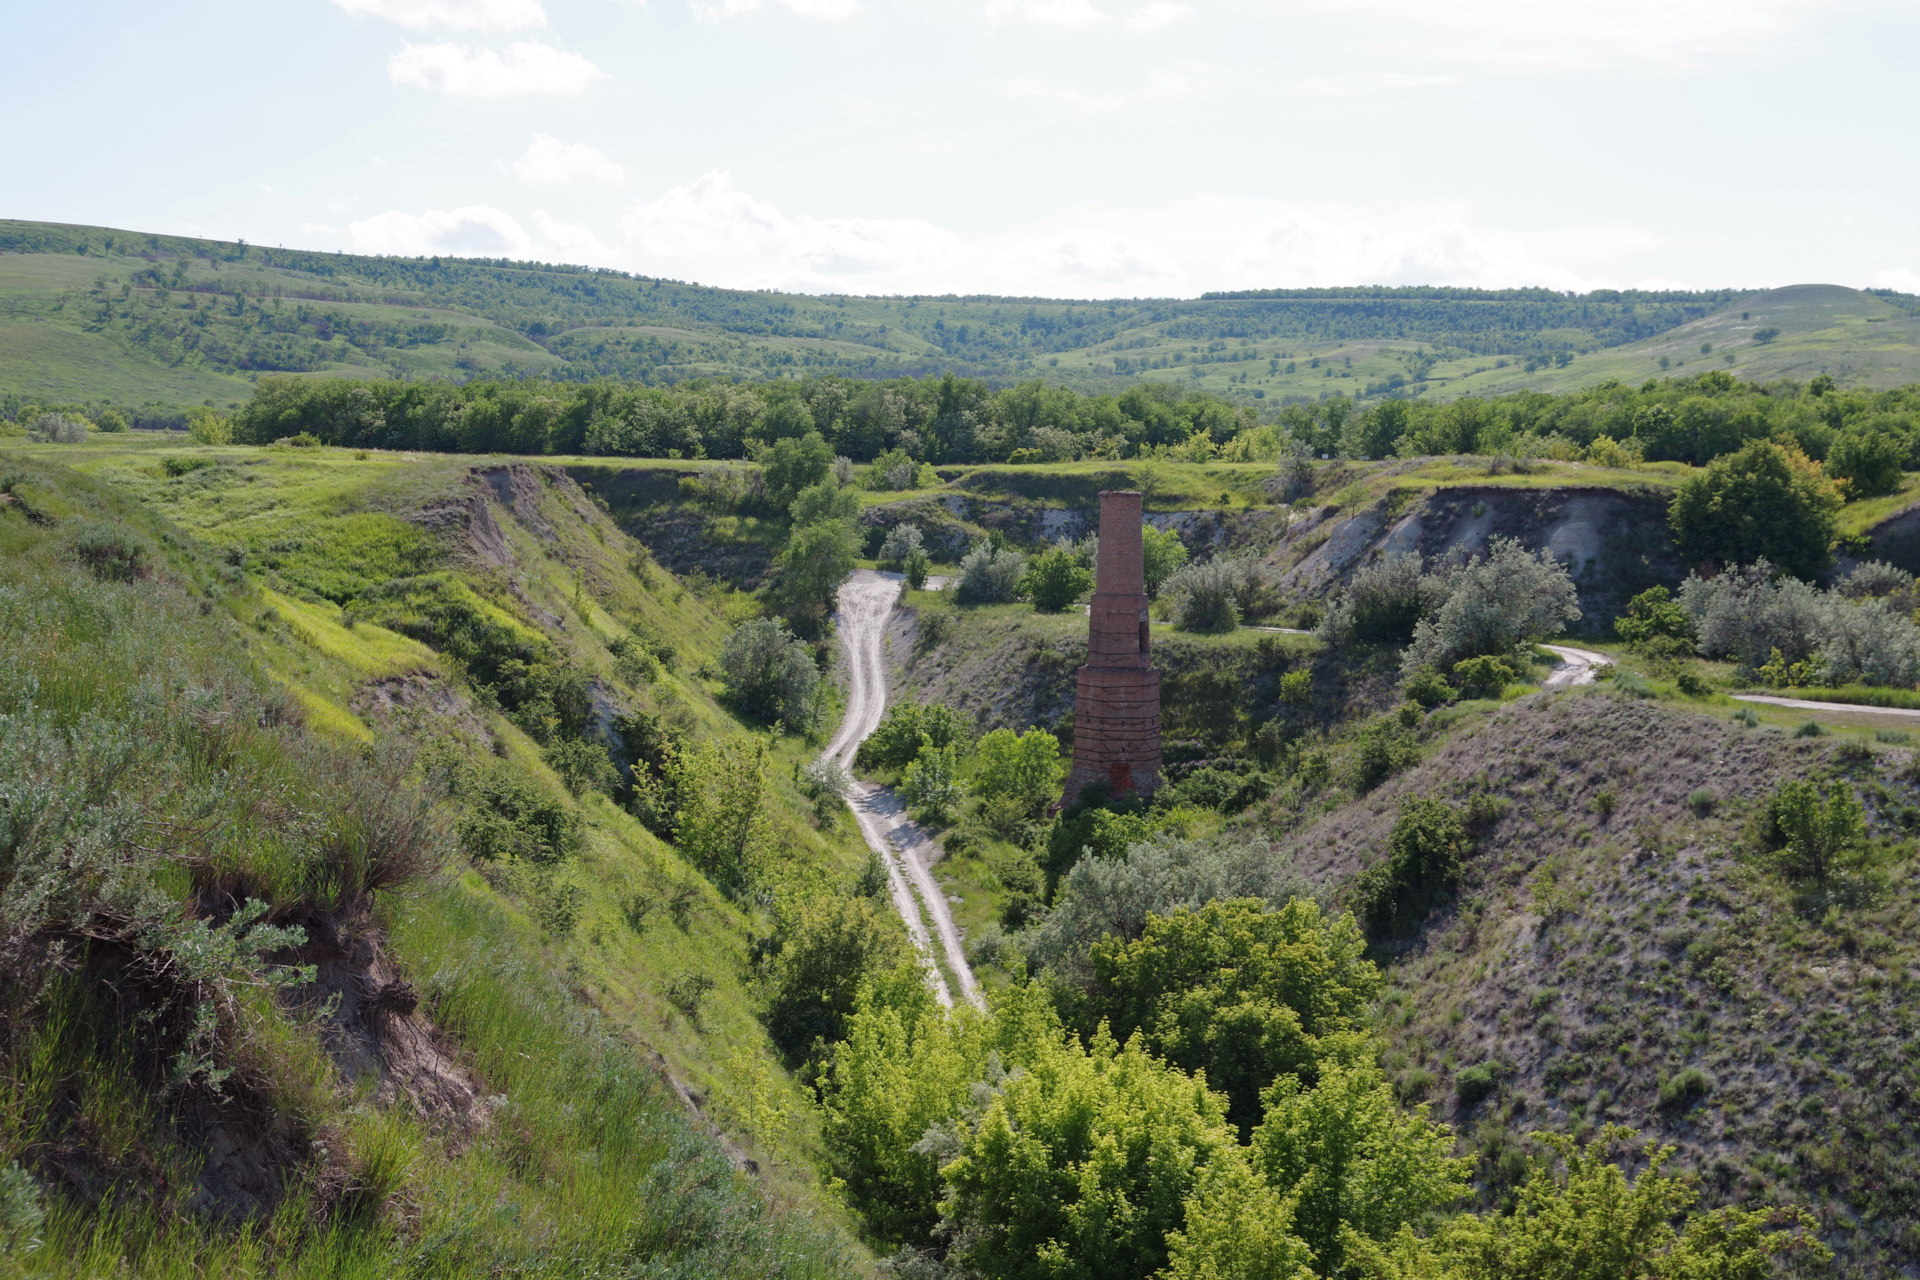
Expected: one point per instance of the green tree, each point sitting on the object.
(769, 673)
(789, 465)
(1163, 554)
(1353, 1158)
(1055, 581)
(1509, 598)
(908, 1067)
(824, 501)
(1078, 1167)
(1767, 501)
(1022, 771)
(897, 739)
(1422, 864)
(827, 947)
(1869, 462)
(1237, 1228)
(915, 568)
(932, 782)
(1589, 1221)
(1654, 612)
(1239, 992)
(721, 823)
(1810, 830)
(816, 560)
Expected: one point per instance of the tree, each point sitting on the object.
(1767, 501)
(1810, 830)
(1355, 1159)
(770, 673)
(816, 560)
(897, 739)
(901, 541)
(1237, 991)
(989, 576)
(915, 568)
(824, 501)
(1385, 600)
(1421, 864)
(1654, 612)
(1510, 598)
(1869, 462)
(827, 946)
(1589, 1220)
(1021, 770)
(931, 783)
(721, 821)
(1078, 1167)
(1206, 596)
(1237, 1228)
(1163, 554)
(1055, 581)
(790, 465)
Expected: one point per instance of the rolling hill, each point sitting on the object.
(157, 323)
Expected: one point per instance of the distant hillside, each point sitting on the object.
(95, 313)
(1800, 332)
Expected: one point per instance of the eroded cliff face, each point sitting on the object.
(1614, 542)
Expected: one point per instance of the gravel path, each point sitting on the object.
(1576, 666)
(1803, 704)
(907, 850)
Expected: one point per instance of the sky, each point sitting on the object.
(1076, 148)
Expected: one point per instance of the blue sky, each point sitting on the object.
(1089, 148)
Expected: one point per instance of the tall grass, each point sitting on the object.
(152, 784)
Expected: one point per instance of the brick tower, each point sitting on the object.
(1116, 724)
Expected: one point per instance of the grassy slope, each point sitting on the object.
(665, 330)
(1601, 947)
(294, 500)
(1859, 339)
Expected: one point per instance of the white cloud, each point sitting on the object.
(1527, 36)
(472, 231)
(1905, 279)
(1106, 258)
(548, 160)
(1081, 15)
(818, 10)
(570, 241)
(1180, 81)
(527, 68)
(451, 15)
(711, 230)
(1363, 82)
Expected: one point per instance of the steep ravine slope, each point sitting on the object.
(652, 964)
(1616, 932)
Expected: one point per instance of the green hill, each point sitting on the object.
(91, 314)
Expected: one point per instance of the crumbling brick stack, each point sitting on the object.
(1116, 718)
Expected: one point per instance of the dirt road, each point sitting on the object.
(908, 851)
(1576, 666)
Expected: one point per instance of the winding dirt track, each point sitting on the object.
(1576, 666)
(866, 599)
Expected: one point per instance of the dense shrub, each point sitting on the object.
(1763, 620)
(1809, 831)
(908, 725)
(826, 947)
(1768, 501)
(1420, 866)
(1162, 555)
(1114, 893)
(770, 674)
(1055, 580)
(989, 575)
(1385, 600)
(1483, 677)
(1021, 772)
(1653, 613)
(1213, 595)
(901, 541)
(1868, 461)
(1509, 598)
(1236, 990)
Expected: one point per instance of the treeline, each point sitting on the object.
(941, 420)
(1692, 420)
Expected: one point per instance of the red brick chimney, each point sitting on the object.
(1116, 717)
